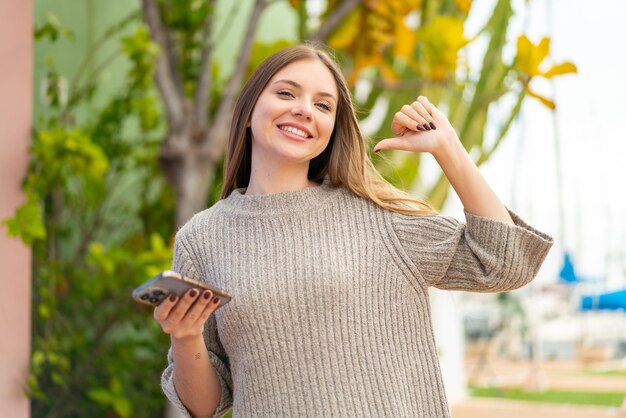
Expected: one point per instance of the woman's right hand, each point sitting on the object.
(183, 318)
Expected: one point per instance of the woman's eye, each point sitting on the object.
(285, 93)
(325, 106)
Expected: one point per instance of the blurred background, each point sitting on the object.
(114, 123)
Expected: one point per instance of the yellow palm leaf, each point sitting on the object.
(546, 102)
(442, 38)
(524, 54)
(388, 74)
(463, 5)
(559, 69)
(530, 56)
(344, 36)
(405, 39)
(541, 51)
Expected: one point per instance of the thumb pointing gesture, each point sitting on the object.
(420, 127)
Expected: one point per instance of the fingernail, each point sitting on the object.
(173, 297)
(376, 150)
(427, 126)
(193, 293)
(206, 295)
(432, 125)
(216, 300)
(420, 127)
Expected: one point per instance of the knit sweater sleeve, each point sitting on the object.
(184, 264)
(481, 255)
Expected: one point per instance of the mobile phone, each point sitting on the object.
(167, 282)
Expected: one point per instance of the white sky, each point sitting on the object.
(591, 114)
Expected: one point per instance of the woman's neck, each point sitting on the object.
(278, 181)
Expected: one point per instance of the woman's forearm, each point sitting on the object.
(195, 379)
(475, 193)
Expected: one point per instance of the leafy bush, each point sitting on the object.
(99, 219)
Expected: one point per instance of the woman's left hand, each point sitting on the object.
(420, 127)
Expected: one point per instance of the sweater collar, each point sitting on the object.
(292, 202)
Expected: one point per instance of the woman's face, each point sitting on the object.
(294, 116)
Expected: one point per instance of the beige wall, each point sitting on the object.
(16, 50)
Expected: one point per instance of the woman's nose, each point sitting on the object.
(302, 109)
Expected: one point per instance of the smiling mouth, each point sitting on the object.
(294, 131)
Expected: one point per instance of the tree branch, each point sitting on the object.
(216, 137)
(173, 51)
(165, 72)
(334, 20)
(203, 83)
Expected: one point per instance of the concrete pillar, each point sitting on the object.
(448, 328)
(16, 66)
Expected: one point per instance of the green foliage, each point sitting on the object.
(27, 222)
(187, 22)
(261, 50)
(99, 219)
(613, 399)
(113, 396)
(53, 29)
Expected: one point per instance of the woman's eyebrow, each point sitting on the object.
(297, 85)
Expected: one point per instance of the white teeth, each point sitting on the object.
(294, 131)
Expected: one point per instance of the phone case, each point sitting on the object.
(167, 282)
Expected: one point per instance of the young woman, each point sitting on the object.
(329, 266)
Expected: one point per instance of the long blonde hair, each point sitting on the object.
(345, 160)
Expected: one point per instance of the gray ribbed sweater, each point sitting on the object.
(330, 313)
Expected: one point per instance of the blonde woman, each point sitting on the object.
(328, 264)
